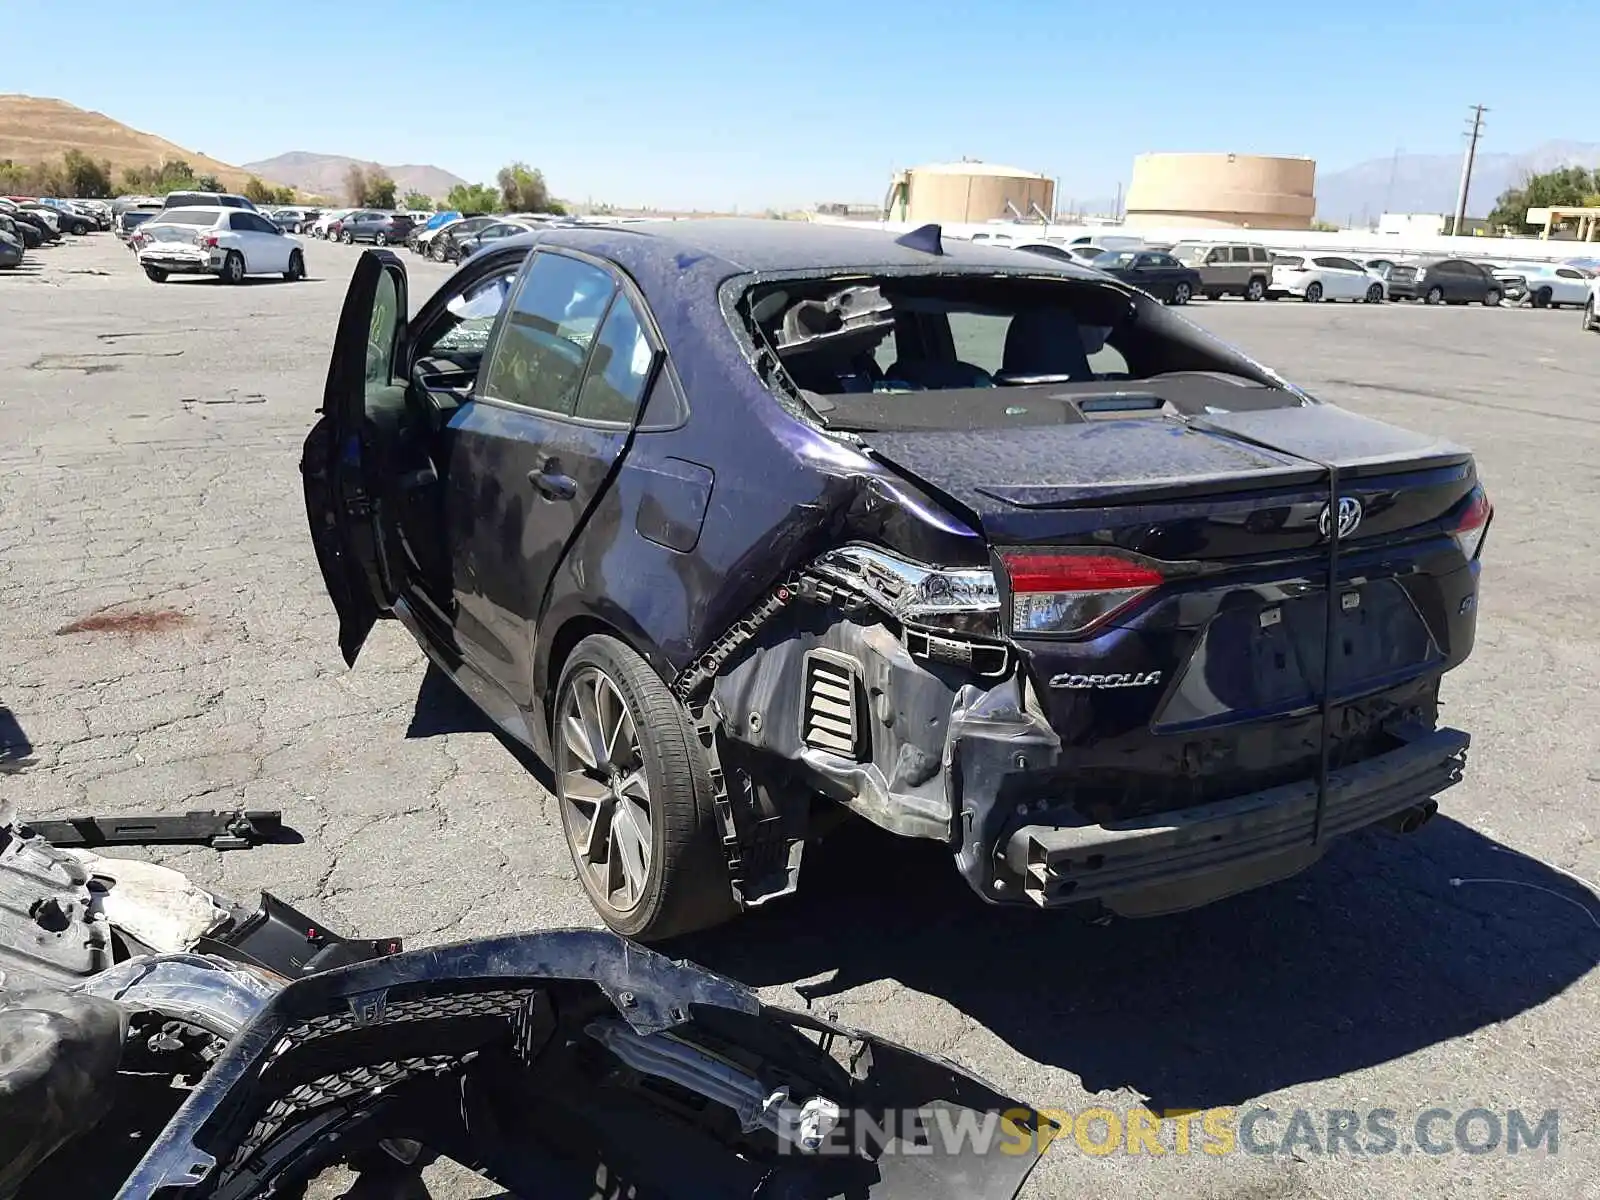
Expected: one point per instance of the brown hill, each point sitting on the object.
(325, 174)
(37, 129)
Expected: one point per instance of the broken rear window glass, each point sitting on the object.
(1012, 349)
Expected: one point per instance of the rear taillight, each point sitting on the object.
(210, 241)
(1056, 593)
(1472, 522)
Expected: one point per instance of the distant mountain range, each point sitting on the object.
(324, 174)
(38, 128)
(1428, 183)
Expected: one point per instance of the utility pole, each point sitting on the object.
(1466, 167)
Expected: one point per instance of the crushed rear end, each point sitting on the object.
(1198, 633)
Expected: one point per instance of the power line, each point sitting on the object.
(1473, 134)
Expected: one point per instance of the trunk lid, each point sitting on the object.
(1262, 474)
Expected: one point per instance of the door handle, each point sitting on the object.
(552, 485)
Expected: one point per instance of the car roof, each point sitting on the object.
(753, 245)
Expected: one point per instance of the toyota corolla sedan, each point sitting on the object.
(739, 524)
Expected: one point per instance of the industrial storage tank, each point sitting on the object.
(1235, 191)
(967, 191)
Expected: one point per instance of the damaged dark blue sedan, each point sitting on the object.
(743, 524)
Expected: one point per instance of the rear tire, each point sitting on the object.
(1435, 296)
(1255, 289)
(1375, 294)
(684, 884)
(155, 274)
(233, 268)
(1313, 293)
(1181, 294)
(435, 251)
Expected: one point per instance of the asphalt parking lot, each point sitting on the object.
(166, 645)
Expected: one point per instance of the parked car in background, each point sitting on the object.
(653, 565)
(1555, 285)
(130, 220)
(215, 240)
(43, 222)
(10, 244)
(44, 213)
(379, 228)
(294, 220)
(1085, 253)
(434, 221)
(1444, 281)
(208, 199)
(1047, 249)
(326, 220)
(70, 218)
(1153, 271)
(445, 244)
(1513, 280)
(469, 245)
(27, 233)
(1318, 277)
(1227, 268)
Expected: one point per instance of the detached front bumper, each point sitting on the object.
(1048, 855)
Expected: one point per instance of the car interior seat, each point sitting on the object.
(1046, 341)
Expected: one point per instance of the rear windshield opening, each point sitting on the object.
(968, 351)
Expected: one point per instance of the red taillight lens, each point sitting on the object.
(210, 242)
(1072, 593)
(1470, 525)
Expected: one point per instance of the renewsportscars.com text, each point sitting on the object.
(1102, 1131)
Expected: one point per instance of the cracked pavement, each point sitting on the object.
(149, 490)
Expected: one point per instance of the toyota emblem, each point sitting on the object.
(1349, 517)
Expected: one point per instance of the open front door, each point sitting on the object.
(343, 461)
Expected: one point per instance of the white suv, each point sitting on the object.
(229, 243)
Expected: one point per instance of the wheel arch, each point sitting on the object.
(551, 653)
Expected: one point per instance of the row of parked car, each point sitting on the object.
(28, 222)
(449, 236)
(1181, 271)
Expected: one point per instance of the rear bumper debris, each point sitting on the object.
(1179, 860)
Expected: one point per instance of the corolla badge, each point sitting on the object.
(1349, 517)
(1124, 680)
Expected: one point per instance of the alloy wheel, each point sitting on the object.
(605, 790)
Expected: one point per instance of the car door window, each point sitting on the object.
(471, 317)
(381, 328)
(543, 344)
(619, 368)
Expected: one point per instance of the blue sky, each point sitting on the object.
(713, 103)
